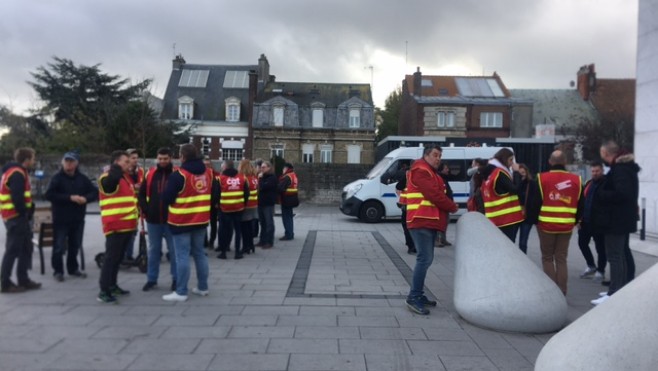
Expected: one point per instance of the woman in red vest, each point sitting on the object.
(250, 213)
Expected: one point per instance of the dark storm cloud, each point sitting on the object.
(531, 44)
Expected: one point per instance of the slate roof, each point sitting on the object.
(208, 101)
(557, 106)
(305, 93)
(455, 86)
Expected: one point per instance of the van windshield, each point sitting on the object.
(379, 169)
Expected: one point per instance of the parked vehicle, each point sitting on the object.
(374, 197)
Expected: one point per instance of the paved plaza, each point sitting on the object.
(331, 299)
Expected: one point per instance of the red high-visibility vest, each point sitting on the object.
(253, 191)
(119, 208)
(232, 196)
(418, 207)
(192, 204)
(7, 208)
(294, 184)
(503, 209)
(560, 193)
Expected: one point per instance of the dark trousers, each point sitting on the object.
(510, 231)
(288, 223)
(407, 237)
(115, 248)
(247, 228)
(622, 264)
(584, 236)
(524, 234)
(266, 220)
(18, 246)
(230, 223)
(67, 238)
(210, 240)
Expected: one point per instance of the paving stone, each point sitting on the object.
(435, 333)
(467, 363)
(399, 362)
(317, 362)
(233, 346)
(324, 332)
(125, 320)
(182, 362)
(255, 320)
(89, 346)
(392, 333)
(307, 320)
(303, 346)
(27, 345)
(444, 348)
(261, 332)
(508, 359)
(196, 332)
(247, 362)
(187, 320)
(129, 332)
(373, 346)
(325, 310)
(89, 361)
(28, 361)
(382, 321)
(270, 309)
(211, 310)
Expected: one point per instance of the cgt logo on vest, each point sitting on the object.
(233, 183)
(563, 185)
(200, 183)
(556, 196)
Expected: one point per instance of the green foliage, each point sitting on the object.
(390, 115)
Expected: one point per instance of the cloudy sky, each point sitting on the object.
(532, 44)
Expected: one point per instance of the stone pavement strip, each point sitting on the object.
(332, 299)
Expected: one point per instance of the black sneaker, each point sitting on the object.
(78, 274)
(411, 250)
(31, 285)
(148, 286)
(58, 277)
(238, 256)
(12, 288)
(222, 255)
(118, 291)
(106, 297)
(428, 302)
(416, 306)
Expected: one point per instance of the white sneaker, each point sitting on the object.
(588, 272)
(598, 276)
(600, 300)
(200, 292)
(603, 293)
(174, 297)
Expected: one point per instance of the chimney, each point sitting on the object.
(586, 81)
(418, 86)
(263, 69)
(178, 62)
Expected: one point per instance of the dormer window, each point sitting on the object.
(185, 108)
(232, 109)
(317, 110)
(355, 117)
(277, 115)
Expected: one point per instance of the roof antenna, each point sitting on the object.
(174, 47)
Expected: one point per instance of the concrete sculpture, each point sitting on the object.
(498, 287)
(620, 334)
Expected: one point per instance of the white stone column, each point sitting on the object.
(646, 110)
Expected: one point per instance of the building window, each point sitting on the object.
(205, 146)
(491, 120)
(353, 154)
(232, 109)
(318, 117)
(445, 119)
(234, 154)
(277, 114)
(325, 153)
(307, 153)
(355, 118)
(277, 150)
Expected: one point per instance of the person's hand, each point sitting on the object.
(515, 166)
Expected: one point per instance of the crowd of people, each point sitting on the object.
(555, 201)
(177, 204)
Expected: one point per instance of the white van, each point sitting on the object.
(374, 197)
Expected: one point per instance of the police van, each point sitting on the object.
(374, 197)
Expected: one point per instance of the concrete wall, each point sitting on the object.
(646, 106)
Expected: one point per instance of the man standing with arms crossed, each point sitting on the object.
(17, 209)
(69, 192)
(427, 214)
(137, 174)
(155, 212)
(118, 205)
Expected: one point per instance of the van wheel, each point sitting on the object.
(371, 212)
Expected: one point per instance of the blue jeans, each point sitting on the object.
(424, 241)
(156, 232)
(186, 244)
(288, 224)
(266, 219)
(524, 233)
(61, 233)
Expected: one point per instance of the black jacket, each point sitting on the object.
(62, 186)
(267, 185)
(287, 200)
(154, 209)
(16, 183)
(176, 183)
(615, 209)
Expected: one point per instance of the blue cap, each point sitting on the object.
(71, 156)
